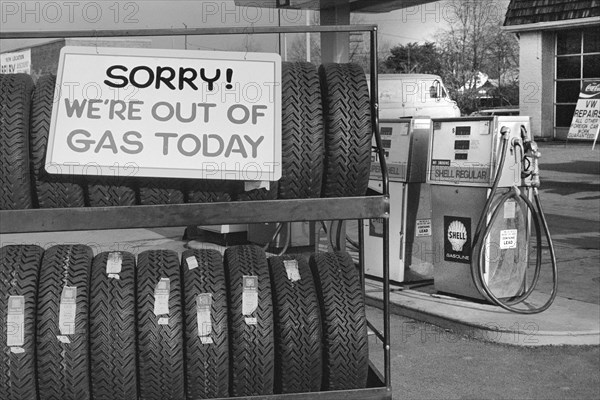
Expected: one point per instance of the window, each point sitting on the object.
(577, 58)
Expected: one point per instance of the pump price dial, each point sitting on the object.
(462, 145)
(462, 131)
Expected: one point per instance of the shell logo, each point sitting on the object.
(457, 235)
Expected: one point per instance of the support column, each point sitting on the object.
(536, 81)
(335, 47)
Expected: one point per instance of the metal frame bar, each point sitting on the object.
(76, 219)
(243, 212)
(250, 30)
(386, 222)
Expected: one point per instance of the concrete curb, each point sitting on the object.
(566, 322)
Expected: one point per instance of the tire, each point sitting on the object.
(160, 347)
(345, 344)
(63, 368)
(298, 352)
(208, 191)
(108, 192)
(15, 103)
(19, 271)
(51, 190)
(112, 330)
(302, 132)
(259, 194)
(161, 191)
(207, 358)
(346, 106)
(252, 355)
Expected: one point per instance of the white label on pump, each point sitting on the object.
(15, 321)
(484, 128)
(510, 209)
(423, 227)
(291, 267)
(68, 310)
(192, 263)
(161, 296)
(203, 307)
(114, 263)
(421, 123)
(249, 294)
(508, 239)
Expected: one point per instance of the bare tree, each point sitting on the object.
(474, 42)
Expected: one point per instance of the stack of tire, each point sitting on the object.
(75, 326)
(326, 142)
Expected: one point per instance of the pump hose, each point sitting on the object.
(483, 231)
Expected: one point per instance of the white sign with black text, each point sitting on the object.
(167, 113)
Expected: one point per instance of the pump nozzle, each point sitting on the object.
(531, 157)
(535, 155)
(525, 135)
(517, 142)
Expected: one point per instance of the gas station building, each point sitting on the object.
(560, 47)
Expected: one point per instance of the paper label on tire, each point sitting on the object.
(68, 310)
(17, 350)
(192, 262)
(15, 321)
(63, 339)
(249, 294)
(161, 297)
(203, 316)
(114, 263)
(508, 239)
(291, 267)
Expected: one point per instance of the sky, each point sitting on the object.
(415, 24)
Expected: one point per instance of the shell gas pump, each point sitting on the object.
(406, 143)
(484, 181)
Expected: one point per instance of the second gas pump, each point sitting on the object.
(406, 143)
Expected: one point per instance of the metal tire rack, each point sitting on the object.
(348, 208)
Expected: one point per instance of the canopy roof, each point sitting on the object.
(365, 6)
(522, 12)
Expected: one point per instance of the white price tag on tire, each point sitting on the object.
(114, 263)
(249, 294)
(291, 268)
(203, 316)
(68, 310)
(161, 297)
(192, 263)
(15, 321)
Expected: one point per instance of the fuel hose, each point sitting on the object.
(482, 233)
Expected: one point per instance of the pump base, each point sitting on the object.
(456, 211)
